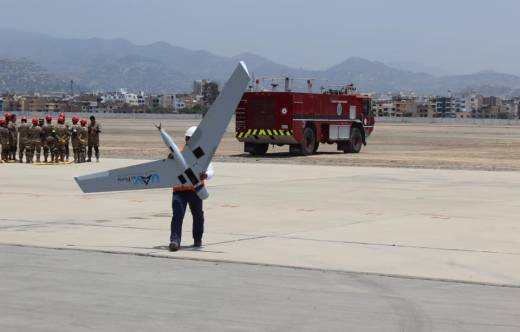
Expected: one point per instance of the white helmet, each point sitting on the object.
(190, 131)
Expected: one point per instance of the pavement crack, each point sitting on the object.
(288, 236)
(399, 245)
(238, 240)
(68, 223)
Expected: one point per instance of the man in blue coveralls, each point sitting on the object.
(183, 196)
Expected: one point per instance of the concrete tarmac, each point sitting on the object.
(62, 290)
(430, 224)
(287, 247)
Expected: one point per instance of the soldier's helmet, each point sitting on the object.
(83, 122)
(61, 119)
(75, 119)
(13, 117)
(35, 121)
(48, 118)
(24, 119)
(7, 116)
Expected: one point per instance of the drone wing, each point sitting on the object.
(202, 146)
(156, 174)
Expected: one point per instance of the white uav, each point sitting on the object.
(185, 167)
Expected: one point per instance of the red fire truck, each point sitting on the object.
(304, 120)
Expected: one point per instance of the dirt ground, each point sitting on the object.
(391, 145)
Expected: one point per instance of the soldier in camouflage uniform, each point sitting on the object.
(74, 133)
(67, 143)
(48, 139)
(13, 136)
(62, 134)
(35, 141)
(23, 130)
(94, 129)
(4, 140)
(83, 140)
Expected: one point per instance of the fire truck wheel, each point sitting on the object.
(309, 142)
(259, 149)
(316, 147)
(355, 142)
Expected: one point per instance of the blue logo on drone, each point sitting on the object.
(145, 180)
(141, 180)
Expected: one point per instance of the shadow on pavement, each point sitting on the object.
(278, 155)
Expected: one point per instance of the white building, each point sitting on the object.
(197, 87)
(180, 105)
(459, 104)
(131, 99)
(474, 102)
(90, 106)
(167, 101)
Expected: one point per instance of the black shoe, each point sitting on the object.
(174, 246)
(197, 243)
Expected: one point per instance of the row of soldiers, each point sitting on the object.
(53, 139)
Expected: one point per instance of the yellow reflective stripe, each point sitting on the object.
(264, 132)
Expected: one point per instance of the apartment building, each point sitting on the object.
(383, 107)
(404, 106)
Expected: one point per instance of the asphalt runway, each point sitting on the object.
(62, 290)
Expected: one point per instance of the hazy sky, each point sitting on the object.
(460, 36)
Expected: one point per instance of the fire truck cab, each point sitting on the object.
(304, 120)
